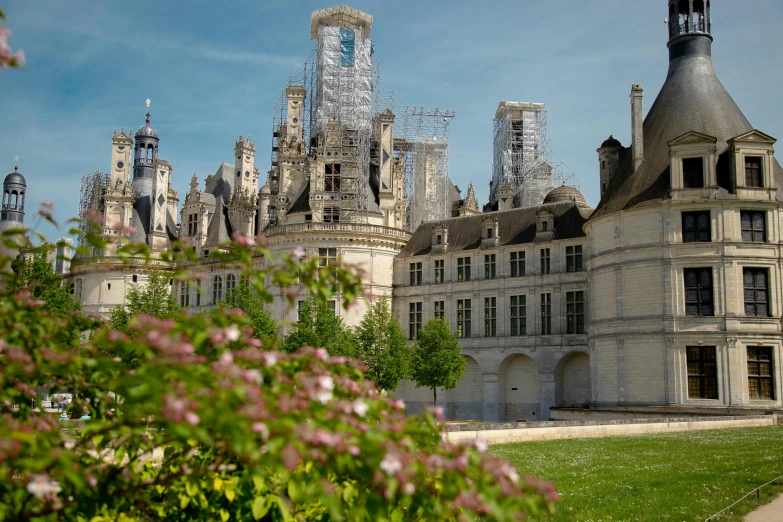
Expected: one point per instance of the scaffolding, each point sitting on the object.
(522, 155)
(93, 188)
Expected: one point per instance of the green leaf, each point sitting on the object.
(224, 515)
(184, 500)
(230, 495)
(217, 484)
(260, 507)
(192, 489)
(97, 439)
(119, 453)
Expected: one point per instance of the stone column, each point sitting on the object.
(490, 383)
(547, 384)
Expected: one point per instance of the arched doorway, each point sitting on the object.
(520, 391)
(572, 381)
(466, 401)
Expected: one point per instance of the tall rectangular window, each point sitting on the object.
(761, 385)
(332, 179)
(184, 296)
(698, 292)
(575, 312)
(696, 227)
(440, 309)
(192, 224)
(754, 282)
(415, 273)
(545, 261)
(463, 269)
(518, 315)
(327, 256)
(489, 266)
(753, 172)
(517, 262)
(414, 319)
(753, 225)
(331, 214)
(546, 314)
(702, 372)
(440, 270)
(198, 293)
(217, 289)
(692, 172)
(574, 258)
(463, 318)
(299, 306)
(490, 316)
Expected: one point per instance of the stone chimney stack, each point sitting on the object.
(637, 124)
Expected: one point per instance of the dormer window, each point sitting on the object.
(753, 176)
(692, 172)
(489, 233)
(439, 239)
(544, 226)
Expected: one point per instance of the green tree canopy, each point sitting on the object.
(151, 298)
(437, 360)
(247, 299)
(382, 346)
(35, 271)
(320, 327)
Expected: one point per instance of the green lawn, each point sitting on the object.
(676, 476)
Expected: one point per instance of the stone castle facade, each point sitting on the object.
(667, 294)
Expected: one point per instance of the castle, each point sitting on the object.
(666, 295)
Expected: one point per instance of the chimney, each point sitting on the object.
(637, 121)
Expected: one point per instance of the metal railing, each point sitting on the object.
(359, 228)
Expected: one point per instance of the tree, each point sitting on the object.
(211, 427)
(382, 346)
(34, 271)
(252, 304)
(154, 298)
(319, 326)
(437, 360)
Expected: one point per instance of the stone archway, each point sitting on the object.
(572, 381)
(519, 392)
(466, 401)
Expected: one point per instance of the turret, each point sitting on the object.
(14, 190)
(244, 165)
(609, 161)
(689, 17)
(121, 147)
(145, 151)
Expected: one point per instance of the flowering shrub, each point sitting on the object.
(8, 58)
(211, 426)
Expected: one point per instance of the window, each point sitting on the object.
(696, 227)
(692, 172)
(439, 239)
(489, 266)
(347, 47)
(517, 261)
(518, 315)
(440, 309)
(702, 372)
(327, 256)
(463, 269)
(135, 278)
(331, 214)
(463, 318)
(546, 314)
(760, 383)
(414, 320)
(415, 273)
(231, 283)
(490, 316)
(753, 172)
(77, 289)
(439, 270)
(332, 305)
(192, 224)
(184, 298)
(545, 261)
(574, 258)
(299, 306)
(698, 292)
(332, 177)
(108, 286)
(754, 281)
(217, 289)
(753, 226)
(198, 293)
(575, 312)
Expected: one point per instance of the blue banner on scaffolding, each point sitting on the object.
(347, 47)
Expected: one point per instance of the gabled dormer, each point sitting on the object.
(545, 225)
(752, 163)
(440, 238)
(489, 232)
(692, 158)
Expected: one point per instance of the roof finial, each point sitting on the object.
(147, 101)
(16, 163)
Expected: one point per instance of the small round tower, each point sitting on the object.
(14, 190)
(145, 150)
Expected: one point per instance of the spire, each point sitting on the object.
(690, 24)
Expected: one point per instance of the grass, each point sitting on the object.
(685, 476)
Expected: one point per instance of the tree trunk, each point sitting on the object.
(434, 397)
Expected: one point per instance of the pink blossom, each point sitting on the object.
(260, 427)
(391, 464)
(481, 444)
(41, 485)
(353, 450)
(7, 57)
(298, 252)
(360, 407)
(192, 417)
(408, 489)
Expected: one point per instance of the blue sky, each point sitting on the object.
(213, 70)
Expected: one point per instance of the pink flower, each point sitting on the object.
(260, 427)
(360, 407)
(298, 252)
(192, 418)
(7, 57)
(481, 444)
(391, 464)
(41, 485)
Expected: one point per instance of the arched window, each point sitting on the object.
(217, 289)
(5, 198)
(21, 204)
(14, 199)
(231, 283)
(149, 154)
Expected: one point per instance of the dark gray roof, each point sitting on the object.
(691, 99)
(302, 202)
(564, 193)
(15, 178)
(515, 227)
(611, 141)
(147, 130)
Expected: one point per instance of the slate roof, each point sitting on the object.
(515, 227)
(691, 99)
